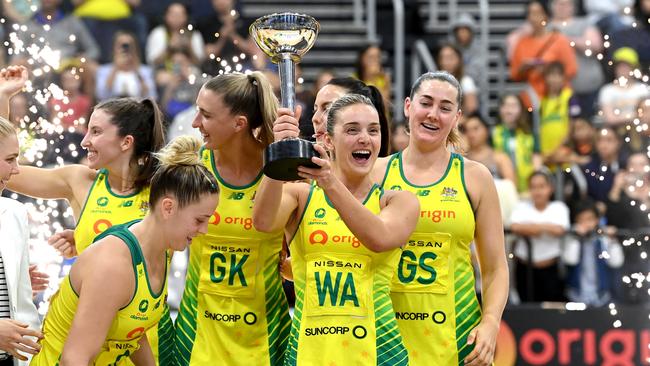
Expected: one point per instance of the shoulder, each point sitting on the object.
(379, 170)
(119, 268)
(559, 207)
(476, 172)
(15, 209)
(402, 199)
(78, 174)
(8, 204)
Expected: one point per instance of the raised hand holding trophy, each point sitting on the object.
(285, 37)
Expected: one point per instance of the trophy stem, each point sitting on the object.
(287, 71)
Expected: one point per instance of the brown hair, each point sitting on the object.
(454, 139)
(144, 121)
(251, 96)
(182, 173)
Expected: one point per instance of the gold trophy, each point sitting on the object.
(285, 37)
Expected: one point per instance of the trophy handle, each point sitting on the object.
(287, 71)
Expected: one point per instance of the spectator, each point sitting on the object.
(630, 185)
(627, 209)
(582, 140)
(600, 171)
(125, 76)
(65, 35)
(462, 35)
(557, 109)
(636, 37)
(618, 99)
(591, 258)
(227, 42)
(513, 135)
(180, 93)
(370, 70)
(588, 42)
(182, 124)
(50, 26)
(399, 137)
(450, 59)
(73, 108)
(19, 11)
(174, 33)
(70, 111)
(608, 15)
(105, 18)
(541, 47)
(476, 133)
(544, 222)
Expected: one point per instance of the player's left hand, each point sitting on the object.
(324, 174)
(484, 338)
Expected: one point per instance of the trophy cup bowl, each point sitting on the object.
(285, 38)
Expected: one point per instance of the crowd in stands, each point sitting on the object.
(569, 154)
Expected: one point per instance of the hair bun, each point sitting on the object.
(183, 150)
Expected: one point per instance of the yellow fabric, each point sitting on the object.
(554, 121)
(234, 311)
(520, 146)
(141, 314)
(103, 209)
(433, 289)
(103, 9)
(343, 313)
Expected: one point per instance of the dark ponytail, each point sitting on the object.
(384, 124)
(356, 86)
(144, 121)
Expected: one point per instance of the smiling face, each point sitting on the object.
(432, 112)
(9, 159)
(214, 120)
(356, 138)
(185, 223)
(325, 97)
(103, 142)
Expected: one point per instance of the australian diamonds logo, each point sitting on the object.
(319, 217)
(449, 194)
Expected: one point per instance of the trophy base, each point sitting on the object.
(282, 159)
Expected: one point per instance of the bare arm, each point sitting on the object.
(275, 204)
(143, 356)
(103, 287)
(12, 81)
(490, 247)
(506, 169)
(276, 201)
(69, 182)
(388, 230)
(537, 229)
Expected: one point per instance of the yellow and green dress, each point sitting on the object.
(130, 323)
(343, 313)
(520, 147)
(103, 209)
(234, 310)
(433, 289)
